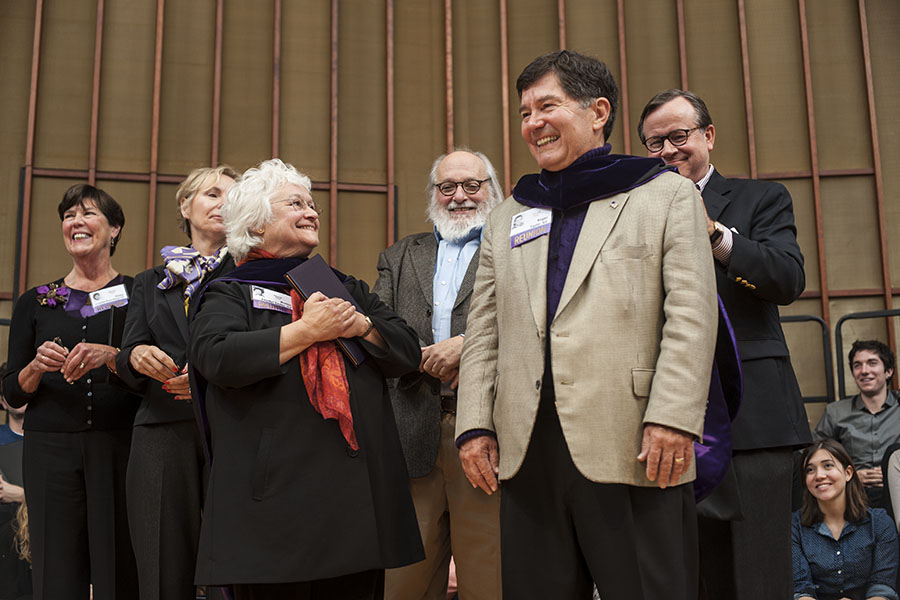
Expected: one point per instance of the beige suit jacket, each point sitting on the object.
(632, 340)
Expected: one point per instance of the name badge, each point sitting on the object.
(109, 297)
(528, 225)
(266, 299)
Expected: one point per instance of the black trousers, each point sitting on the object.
(165, 486)
(368, 585)
(560, 531)
(75, 491)
(750, 559)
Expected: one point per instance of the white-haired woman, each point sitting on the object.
(308, 494)
(165, 479)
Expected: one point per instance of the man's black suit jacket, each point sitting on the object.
(765, 270)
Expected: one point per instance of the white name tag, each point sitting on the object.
(266, 299)
(528, 225)
(106, 298)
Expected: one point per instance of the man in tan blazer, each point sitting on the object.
(587, 360)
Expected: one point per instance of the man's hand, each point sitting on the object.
(667, 452)
(441, 360)
(480, 459)
(871, 477)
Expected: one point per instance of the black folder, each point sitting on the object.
(314, 275)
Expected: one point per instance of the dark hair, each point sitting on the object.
(857, 502)
(701, 113)
(881, 349)
(583, 78)
(106, 204)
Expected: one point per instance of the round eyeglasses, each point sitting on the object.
(676, 137)
(300, 205)
(469, 186)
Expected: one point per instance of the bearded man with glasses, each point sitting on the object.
(427, 278)
(744, 526)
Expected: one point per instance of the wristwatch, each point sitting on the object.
(371, 326)
(717, 233)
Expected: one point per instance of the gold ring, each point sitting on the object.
(81, 366)
(679, 460)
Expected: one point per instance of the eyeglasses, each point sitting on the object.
(469, 186)
(676, 137)
(300, 205)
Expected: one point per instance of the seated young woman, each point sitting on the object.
(842, 549)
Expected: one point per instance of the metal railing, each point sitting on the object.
(826, 353)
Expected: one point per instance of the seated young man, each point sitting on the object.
(870, 421)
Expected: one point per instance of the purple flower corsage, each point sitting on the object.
(52, 294)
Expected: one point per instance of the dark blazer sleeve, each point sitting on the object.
(402, 353)
(768, 255)
(223, 347)
(137, 332)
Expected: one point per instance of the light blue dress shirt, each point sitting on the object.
(453, 258)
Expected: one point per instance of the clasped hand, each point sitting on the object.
(156, 364)
(331, 318)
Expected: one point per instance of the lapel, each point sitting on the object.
(598, 223)
(716, 195)
(533, 262)
(468, 282)
(423, 264)
(175, 300)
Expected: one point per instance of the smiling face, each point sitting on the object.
(203, 210)
(557, 128)
(456, 215)
(691, 159)
(826, 478)
(294, 230)
(86, 231)
(869, 372)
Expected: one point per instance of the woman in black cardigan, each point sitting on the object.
(62, 349)
(308, 493)
(165, 481)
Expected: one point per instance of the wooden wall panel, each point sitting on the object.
(477, 109)
(247, 83)
(420, 105)
(64, 91)
(714, 72)
(362, 135)
(592, 28)
(883, 17)
(533, 30)
(321, 198)
(167, 230)
(305, 85)
(187, 86)
(836, 64)
(782, 136)
(126, 86)
(849, 208)
(358, 251)
(16, 31)
(48, 258)
(805, 220)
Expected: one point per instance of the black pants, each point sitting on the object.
(75, 491)
(559, 530)
(749, 559)
(368, 585)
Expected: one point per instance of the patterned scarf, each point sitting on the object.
(186, 265)
(323, 371)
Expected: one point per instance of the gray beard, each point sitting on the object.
(454, 229)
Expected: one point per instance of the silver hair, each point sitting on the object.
(496, 192)
(248, 207)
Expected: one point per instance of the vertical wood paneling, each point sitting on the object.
(217, 86)
(561, 16)
(154, 134)
(276, 78)
(814, 161)
(29, 145)
(748, 90)
(876, 161)
(95, 95)
(333, 163)
(504, 96)
(623, 77)
(682, 44)
(448, 74)
(390, 234)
